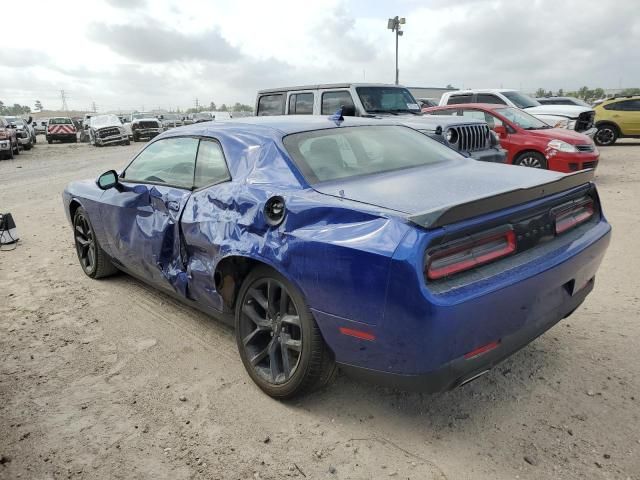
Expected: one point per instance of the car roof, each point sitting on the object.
(279, 125)
(621, 98)
(481, 90)
(328, 85)
(484, 106)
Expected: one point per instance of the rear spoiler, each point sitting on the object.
(474, 208)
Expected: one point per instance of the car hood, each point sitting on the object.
(570, 111)
(433, 187)
(149, 119)
(569, 136)
(106, 125)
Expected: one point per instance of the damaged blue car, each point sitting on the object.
(331, 241)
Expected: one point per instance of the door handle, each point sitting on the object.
(173, 206)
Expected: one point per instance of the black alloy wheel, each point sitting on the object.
(93, 260)
(279, 342)
(606, 135)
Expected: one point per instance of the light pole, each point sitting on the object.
(394, 25)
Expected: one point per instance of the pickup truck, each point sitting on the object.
(472, 138)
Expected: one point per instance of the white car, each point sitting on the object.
(107, 130)
(572, 117)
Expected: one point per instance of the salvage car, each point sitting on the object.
(62, 129)
(617, 117)
(562, 101)
(529, 141)
(145, 125)
(171, 120)
(346, 241)
(9, 145)
(381, 101)
(107, 130)
(572, 117)
(23, 132)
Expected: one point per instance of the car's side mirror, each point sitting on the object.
(501, 130)
(107, 180)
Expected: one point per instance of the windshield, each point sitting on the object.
(520, 100)
(141, 115)
(203, 115)
(345, 152)
(60, 121)
(387, 100)
(105, 121)
(172, 116)
(522, 119)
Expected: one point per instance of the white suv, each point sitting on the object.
(573, 117)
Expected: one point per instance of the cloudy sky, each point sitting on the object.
(135, 54)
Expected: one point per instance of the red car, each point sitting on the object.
(529, 141)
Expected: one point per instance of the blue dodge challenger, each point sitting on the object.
(346, 242)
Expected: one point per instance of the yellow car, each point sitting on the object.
(617, 118)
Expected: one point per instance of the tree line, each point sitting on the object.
(585, 93)
(237, 107)
(16, 109)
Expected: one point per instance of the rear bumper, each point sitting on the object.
(462, 370)
(24, 141)
(494, 155)
(60, 136)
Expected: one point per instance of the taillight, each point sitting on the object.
(469, 253)
(570, 216)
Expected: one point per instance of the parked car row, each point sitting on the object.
(16, 134)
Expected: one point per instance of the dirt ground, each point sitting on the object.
(111, 379)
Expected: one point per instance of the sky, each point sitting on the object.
(146, 54)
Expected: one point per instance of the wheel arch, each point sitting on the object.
(74, 204)
(231, 271)
(611, 123)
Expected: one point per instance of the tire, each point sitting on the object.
(94, 261)
(27, 146)
(17, 149)
(127, 142)
(306, 363)
(49, 141)
(606, 135)
(74, 140)
(531, 159)
(136, 138)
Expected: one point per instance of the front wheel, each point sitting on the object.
(279, 341)
(531, 159)
(94, 261)
(606, 135)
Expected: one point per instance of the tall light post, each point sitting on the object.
(394, 25)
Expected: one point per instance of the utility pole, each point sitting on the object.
(393, 24)
(63, 97)
(94, 108)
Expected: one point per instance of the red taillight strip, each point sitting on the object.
(357, 333)
(474, 256)
(480, 350)
(568, 218)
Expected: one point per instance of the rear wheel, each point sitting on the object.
(278, 339)
(93, 260)
(606, 135)
(531, 159)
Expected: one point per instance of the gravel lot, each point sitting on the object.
(111, 379)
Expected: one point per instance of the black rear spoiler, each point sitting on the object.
(474, 208)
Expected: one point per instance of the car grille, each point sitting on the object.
(589, 165)
(147, 125)
(585, 148)
(108, 132)
(585, 121)
(471, 137)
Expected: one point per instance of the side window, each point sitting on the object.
(489, 98)
(210, 165)
(458, 99)
(473, 114)
(271, 104)
(614, 106)
(492, 121)
(170, 162)
(332, 101)
(630, 105)
(301, 104)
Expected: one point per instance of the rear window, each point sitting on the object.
(271, 104)
(458, 99)
(344, 152)
(60, 121)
